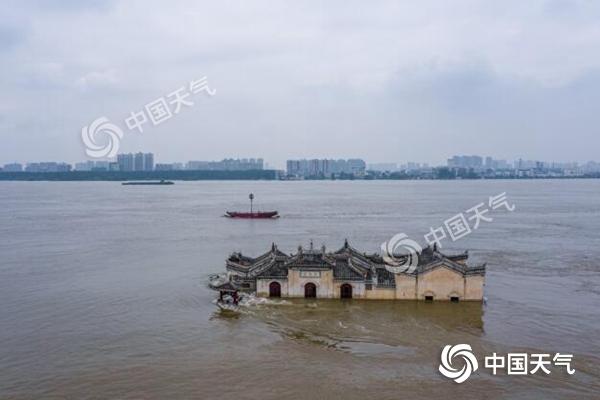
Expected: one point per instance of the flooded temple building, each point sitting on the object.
(348, 273)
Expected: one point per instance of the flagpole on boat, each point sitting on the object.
(251, 197)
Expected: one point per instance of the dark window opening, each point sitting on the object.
(428, 298)
(454, 299)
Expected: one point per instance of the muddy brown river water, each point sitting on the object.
(103, 292)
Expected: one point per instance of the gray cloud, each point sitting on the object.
(385, 81)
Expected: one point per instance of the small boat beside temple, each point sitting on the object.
(228, 292)
(252, 214)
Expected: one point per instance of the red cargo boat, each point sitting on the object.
(252, 214)
(265, 214)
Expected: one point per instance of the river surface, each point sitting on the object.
(103, 291)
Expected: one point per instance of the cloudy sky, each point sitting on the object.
(386, 81)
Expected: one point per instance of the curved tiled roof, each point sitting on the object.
(347, 263)
(343, 271)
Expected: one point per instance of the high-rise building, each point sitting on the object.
(412, 166)
(228, 164)
(477, 162)
(148, 162)
(325, 167)
(196, 165)
(100, 166)
(48, 167)
(13, 167)
(357, 166)
(138, 162)
(465, 162)
(383, 167)
(84, 166)
(93, 166)
(125, 162)
(164, 167)
(489, 162)
(135, 162)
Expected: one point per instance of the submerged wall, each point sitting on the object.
(441, 284)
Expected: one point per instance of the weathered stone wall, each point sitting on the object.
(474, 287)
(441, 283)
(406, 287)
(381, 294)
(324, 283)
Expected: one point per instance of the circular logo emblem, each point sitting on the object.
(400, 254)
(449, 354)
(101, 126)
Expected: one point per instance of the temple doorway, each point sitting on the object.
(310, 290)
(346, 291)
(274, 289)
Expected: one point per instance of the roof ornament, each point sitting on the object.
(273, 247)
(323, 249)
(300, 250)
(346, 243)
(311, 245)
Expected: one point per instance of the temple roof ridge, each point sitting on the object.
(347, 258)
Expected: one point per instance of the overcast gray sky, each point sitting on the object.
(385, 81)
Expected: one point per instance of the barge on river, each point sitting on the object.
(161, 182)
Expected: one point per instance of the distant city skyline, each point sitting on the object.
(318, 168)
(407, 163)
(282, 165)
